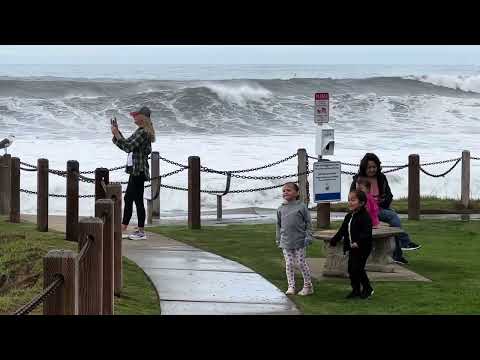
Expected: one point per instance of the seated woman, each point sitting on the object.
(380, 190)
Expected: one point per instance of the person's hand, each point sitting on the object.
(354, 246)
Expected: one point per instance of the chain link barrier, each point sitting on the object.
(442, 174)
(25, 169)
(39, 299)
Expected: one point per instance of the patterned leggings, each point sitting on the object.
(297, 255)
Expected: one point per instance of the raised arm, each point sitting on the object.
(133, 142)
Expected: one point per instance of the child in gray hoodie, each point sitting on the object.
(293, 235)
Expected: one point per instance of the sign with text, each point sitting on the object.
(321, 108)
(326, 181)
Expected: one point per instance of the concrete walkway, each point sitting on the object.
(190, 281)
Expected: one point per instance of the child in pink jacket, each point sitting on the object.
(372, 207)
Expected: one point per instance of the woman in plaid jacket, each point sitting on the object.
(138, 146)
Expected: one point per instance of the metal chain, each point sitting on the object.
(442, 174)
(475, 158)
(25, 169)
(54, 195)
(206, 169)
(173, 162)
(396, 169)
(37, 300)
(357, 165)
(266, 177)
(27, 164)
(441, 162)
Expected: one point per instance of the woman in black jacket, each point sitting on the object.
(356, 232)
(371, 169)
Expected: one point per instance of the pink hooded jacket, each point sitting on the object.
(373, 210)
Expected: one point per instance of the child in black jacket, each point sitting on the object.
(356, 232)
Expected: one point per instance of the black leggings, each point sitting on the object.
(356, 269)
(134, 193)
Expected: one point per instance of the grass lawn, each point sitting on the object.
(449, 257)
(428, 205)
(21, 251)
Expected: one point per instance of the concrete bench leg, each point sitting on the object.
(336, 263)
(380, 260)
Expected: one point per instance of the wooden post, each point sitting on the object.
(465, 196)
(219, 207)
(302, 179)
(15, 191)
(114, 192)
(104, 209)
(413, 187)
(90, 267)
(65, 300)
(42, 195)
(323, 215)
(5, 166)
(149, 212)
(100, 174)
(194, 192)
(155, 185)
(72, 201)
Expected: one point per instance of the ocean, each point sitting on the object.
(240, 116)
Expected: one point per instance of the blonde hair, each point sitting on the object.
(148, 126)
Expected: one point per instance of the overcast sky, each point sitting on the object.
(234, 54)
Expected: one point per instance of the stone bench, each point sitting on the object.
(380, 259)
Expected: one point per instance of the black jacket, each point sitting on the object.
(360, 228)
(386, 196)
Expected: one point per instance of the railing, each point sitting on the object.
(85, 283)
(10, 170)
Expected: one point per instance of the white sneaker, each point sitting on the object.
(138, 235)
(290, 291)
(306, 291)
(125, 236)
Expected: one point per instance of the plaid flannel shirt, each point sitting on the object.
(138, 144)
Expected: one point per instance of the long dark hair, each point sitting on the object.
(362, 171)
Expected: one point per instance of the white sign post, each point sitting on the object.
(321, 108)
(327, 181)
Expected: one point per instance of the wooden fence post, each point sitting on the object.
(90, 267)
(114, 192)
(72, 201)
(302, 179)
(155, 183)
(323, 215)
(100, 174)
(219, 208)
(5, 166)
(15, 191)
(65, 300)
(42, 195)
(194, 192)
(413, 187)
(104, 209)
(465, 196)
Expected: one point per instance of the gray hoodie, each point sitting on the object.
(294, 225)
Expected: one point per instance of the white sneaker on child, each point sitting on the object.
(290, 291)
(306, 291)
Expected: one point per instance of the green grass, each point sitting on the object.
(449, 257)
(428, 205)
(21, 259)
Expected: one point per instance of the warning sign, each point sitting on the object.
(326, 181)
(321, 108)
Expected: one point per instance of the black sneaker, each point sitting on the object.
(401, 260)
(353, 295)
(367, 293)
(411, 246)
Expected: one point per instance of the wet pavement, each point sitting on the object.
(190, 281)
